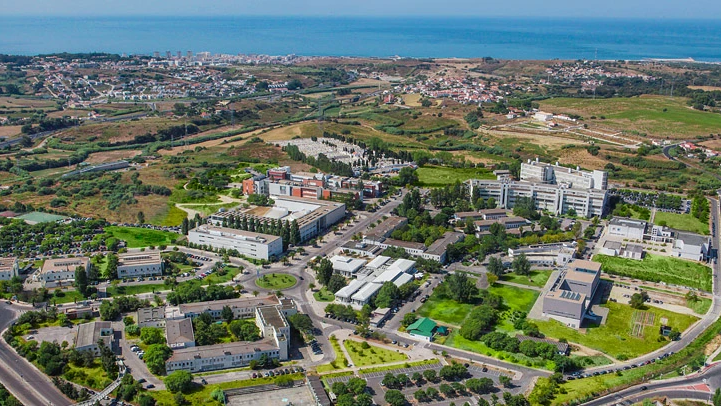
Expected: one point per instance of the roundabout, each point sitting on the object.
(276, 281)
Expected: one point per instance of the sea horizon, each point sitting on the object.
(533, 38)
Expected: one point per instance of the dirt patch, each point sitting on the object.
(582, 158)
(705, 88)
(10, 130)
(712, 346)
(110, 156)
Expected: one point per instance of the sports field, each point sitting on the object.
(137, 237)
(657, 268)
(436, 176)
(40, 217)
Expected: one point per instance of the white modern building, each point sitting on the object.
(88, 335)
(254, 245)
(243, 308)
(382, 269)
(8, 268)
(691, 246)
(58, 271)
(136, 264)
(346, 266)
(627, 228)
(541, 172)
(556, 254)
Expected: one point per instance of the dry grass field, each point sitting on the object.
(110, 156)
(24, 103)
(10, 130)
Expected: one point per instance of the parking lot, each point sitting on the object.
(57, 334)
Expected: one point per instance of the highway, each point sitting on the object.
(21, 378)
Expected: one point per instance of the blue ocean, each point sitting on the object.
(507, 38)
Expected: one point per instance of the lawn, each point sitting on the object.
(93, 377)
(324, 295)
(200, 394)
(136, 237)
(514, 299)
(340, 361)
(215, 278)
(614, 338)
(685, 222)
(700, 306)
(655, 115)
(276, 281)
(456, 341)
(371, 355)
(656, 268)
(437, 176)
(445, 310)
(66, 296)
(536, 278)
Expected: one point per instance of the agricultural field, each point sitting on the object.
(437, 176)
(684, 222)
(656, 116)
(627, 333)
(136, 237)
(657, 268)
(363, 355)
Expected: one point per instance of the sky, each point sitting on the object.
(667, 9)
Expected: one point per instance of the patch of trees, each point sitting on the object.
(352, 393)
(700, 208)
(48, 124)
(111, 310)
(322, 162)
(642, 163)
(474, 118)
(7, 398)
(155, 357)
(193, 291)
(70, 390)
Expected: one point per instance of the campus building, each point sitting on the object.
(379, 236)
(556, 254)
(59, 271)
(88, 335)
(250, 244)
(555, 198)
(541, 172)
(243, 308)
(571, 295)
(691, 246)
(371, 278)
(313, 216)
(151, 317)
(346, 266)
(137, 264)
(179, 333)
(8, 268)
(633, 229)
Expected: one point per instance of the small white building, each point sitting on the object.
(346, 266)
(8, 268)
(543, 116)
(58, 271)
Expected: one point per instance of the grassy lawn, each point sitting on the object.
(135, 289)
(200, 394)
(276, 281)
(700, 306)
(174, 216)
(340, 361)
(323, 295)
(656, 268)
(67, 296)
(392, 367)
(371, 355)
(536, 278)
(615, 337)
(137, 237)
(214, 278)
(685, 222)
(93, 377)
(445, 310)
(437, 176)
(514, 299)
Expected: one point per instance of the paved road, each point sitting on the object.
(20, 377)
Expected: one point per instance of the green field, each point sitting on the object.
(137, 237)
(67, 296)
(455, 340)
(643, 114)
(323, 295)
(514, 299)
(445, 310)
(685, 222)
(537, 278)
(371, 356)
(135, 289)
(276, 281)
(340, 361)
(40, 217)
(700, 306)
(215, 278)
(656, 268)
(93, 377)
(437, 176)
(615, 337)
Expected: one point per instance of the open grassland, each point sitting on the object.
(8, 131)
(616, 338)
(656, 268)
(654, 115)
(17, 102)
(437, 176)
(371, 355)
(137, 237)
(685, 222)
(536, 278)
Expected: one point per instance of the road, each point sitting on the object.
(21, 378)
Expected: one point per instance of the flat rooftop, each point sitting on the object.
(566, 296)
(139, 258)
(243, 302)
(385, 227)
(220, 350)
(240, 235)
(151, 313)
(64, 264)
(627, 222)
(272, 316)
(7, 263)
(585, 264)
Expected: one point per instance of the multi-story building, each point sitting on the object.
(507, 222)
(243, 308)
(572, 293)
(179, 333)
(627, 228)
(9, 268)
(556, 254)
(691, 246)
(313, 216)
(541, 172)
(254, 245)
(58, 271)
(360, 291)
(557, 199)
(151, 317)
(148, 263)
